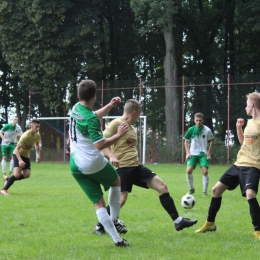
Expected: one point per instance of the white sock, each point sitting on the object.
(11, 165)
(114, 202)
(178, 220)
(205, 181)
(190, 180)
(106, 221)
(3, 166)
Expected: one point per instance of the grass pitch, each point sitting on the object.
(49, 217)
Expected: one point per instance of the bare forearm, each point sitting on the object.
(103, 111)
(240, 135)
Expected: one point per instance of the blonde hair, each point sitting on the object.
(132, 105)
(199, 115)
(254, 97)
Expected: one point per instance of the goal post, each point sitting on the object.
(142, 133)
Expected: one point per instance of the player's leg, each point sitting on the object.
(111, 176)
(166, 200)
(5, 151)
(204, 164)
(229, 180)
(91, 186)
(191, 165)
(249, 181)
(12, 147)
(19, 173)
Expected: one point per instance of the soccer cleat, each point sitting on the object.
(10, 173)
(120, 227)
(208, 226)
(184, 223)
(99, 229)
(4, 192)
(257, 234)
(205, 193)
(191, 191)
(122, 243)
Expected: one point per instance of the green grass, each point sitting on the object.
(49, 217)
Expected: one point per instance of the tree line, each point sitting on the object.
(48, 47)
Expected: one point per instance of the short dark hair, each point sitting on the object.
(132, 105)
(86, 90)
(35, 121)
(199, 115)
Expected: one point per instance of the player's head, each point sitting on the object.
(35, 125)
(14, 120)
(198, 119)
(86, 90)
(133, 107)
(253, 102)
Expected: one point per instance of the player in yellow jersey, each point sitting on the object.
(245, 171)
(22, 165)
(124, 156)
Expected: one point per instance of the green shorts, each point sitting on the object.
(201, 159)
(8, 149)
(90, 183)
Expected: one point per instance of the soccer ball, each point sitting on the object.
(188, 201)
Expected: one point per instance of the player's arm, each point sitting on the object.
(107, 142)
(17, 153)
(38, 152)
(240, 134)
(111, 157)
(187, 148)
(211, 145)
(3, 137)
(106, 109)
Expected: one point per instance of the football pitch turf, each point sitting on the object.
(49, 217)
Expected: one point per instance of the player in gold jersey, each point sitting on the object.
(245, 171)
(22, 165)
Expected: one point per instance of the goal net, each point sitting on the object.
(54, 133)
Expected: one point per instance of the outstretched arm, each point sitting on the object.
(106, 109)
(240, 134)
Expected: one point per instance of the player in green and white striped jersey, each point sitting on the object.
(8, 133)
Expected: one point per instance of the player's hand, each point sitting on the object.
(114, 161)
(22, 164)
(6, 141)
(38, 159)
(115, 101)
(122, 129)
(240, 122)
(187, 156)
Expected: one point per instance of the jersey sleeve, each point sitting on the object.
(188, 134)
(94, 129)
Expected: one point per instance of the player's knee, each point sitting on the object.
(216, 192)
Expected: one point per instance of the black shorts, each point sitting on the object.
(25, 159)
(137, 175)
(231, 177)
(249, 179)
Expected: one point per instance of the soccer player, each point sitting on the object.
(8, 134)
(196, 143)
(124, 156)
(88, 164)
(245, 171)
(22, 165)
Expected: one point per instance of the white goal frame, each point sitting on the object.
(142, 138)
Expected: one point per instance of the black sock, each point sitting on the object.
(214, 208)
(168, 204)
(10, 182)
(255, 213)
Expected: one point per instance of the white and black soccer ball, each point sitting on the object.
(188, 201)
